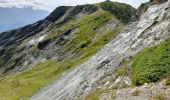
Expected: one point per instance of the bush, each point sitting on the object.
(151, 64)
(85, 44)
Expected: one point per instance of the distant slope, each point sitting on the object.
(11, 18)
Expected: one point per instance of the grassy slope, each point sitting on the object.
(24, 84)
(151, 64)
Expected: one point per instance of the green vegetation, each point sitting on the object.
(123, 71)
(122, 85)
(122, 11)
(151, 64)
(96, 94)
(22, 85)
(157, 97)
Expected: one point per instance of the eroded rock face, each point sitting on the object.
(152, 28)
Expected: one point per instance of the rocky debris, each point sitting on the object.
(106, 96)
(136, 36)
(144, 92)
(123, 79)
(36, 40)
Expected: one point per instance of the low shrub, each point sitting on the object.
(151, 64)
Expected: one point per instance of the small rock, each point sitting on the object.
(118, 79)
(106, 96)
(106, 83)
(118, 92)
(146, 85)
(111, 86)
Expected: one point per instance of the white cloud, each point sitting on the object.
(35, 4)
(49, 5)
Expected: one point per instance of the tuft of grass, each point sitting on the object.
(135, 93)
(122, 85)
(157, 97)
(113, 94)
(151, 64)
(96, 94)
(123, 71)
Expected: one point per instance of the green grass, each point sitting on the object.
(96, 94)
(157, 97)
(85, 26)
(24, 84)
(151, 64)
(122, 11)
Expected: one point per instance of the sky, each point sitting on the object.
(50, 5)
(11, 18)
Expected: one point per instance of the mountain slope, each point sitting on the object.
(48, 48)
(152, 28)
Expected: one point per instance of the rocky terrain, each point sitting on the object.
(37, 54)
(91, 74)
(53, 36)
(64, 46)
